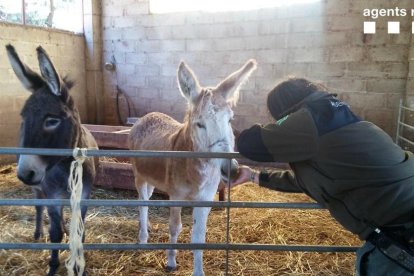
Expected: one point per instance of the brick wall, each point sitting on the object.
(323, 41)
(67, 53)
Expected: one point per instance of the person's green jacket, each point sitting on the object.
(349, 166)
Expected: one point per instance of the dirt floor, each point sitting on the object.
(120, 225)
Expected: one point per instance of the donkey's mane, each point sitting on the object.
(68, 82)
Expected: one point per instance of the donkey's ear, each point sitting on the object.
(188, 83)
(49, 72)
(229, 87)
(29, 79)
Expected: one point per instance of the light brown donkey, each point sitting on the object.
(206, 128)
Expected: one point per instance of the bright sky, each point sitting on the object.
(167, 6)
(11, 6)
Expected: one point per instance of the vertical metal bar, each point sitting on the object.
(83, 13)
(400, 110)
(23, 12)
(228, 216)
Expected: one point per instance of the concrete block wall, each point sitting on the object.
(323, 41)
(67, 53)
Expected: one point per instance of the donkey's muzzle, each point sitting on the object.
(234, 169)
(27, 177)
(31, 169)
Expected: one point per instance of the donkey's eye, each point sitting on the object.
(51, 123)
(200, 125)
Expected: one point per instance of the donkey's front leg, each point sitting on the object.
(175, 229)
(56, 235)
(39, 223)
(144, 193)
(39, 215)
(200, 215)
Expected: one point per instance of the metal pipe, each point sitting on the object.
(228, 215)
(406, 140)
(397, 135)
(406, 125)
(407, 108)
(159, 203)
(24, 12)
(180, 246)
(227, 246)
(121, 153)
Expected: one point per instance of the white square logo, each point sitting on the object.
(369, 27)
(393, 27)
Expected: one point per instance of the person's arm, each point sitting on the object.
(250, 144)
(283, 181)
(294, 139)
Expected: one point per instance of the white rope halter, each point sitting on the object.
(76, 259)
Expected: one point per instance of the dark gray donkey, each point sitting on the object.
(50, 120)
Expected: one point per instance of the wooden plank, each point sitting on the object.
(115, 137)
(106, 128)
(115, 175)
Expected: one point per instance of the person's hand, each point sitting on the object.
(242, 177)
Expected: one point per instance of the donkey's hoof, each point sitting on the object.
(170, 268)
(53, 267)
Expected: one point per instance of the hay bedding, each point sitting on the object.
(120, 225)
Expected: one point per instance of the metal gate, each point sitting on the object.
(405, 131)
(228, 204)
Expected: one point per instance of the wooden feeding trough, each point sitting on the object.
(115, 137)
(114, 172)
(117, 172)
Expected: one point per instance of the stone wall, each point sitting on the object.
(323, 41)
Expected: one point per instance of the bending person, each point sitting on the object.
(348, 165)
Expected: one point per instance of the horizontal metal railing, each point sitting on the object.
(121, 153)
(227, 246)
(406, 140)
(182, 246)
(158, 203)
(407, 108)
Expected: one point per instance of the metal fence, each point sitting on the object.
(227, 245)
(405, 130)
